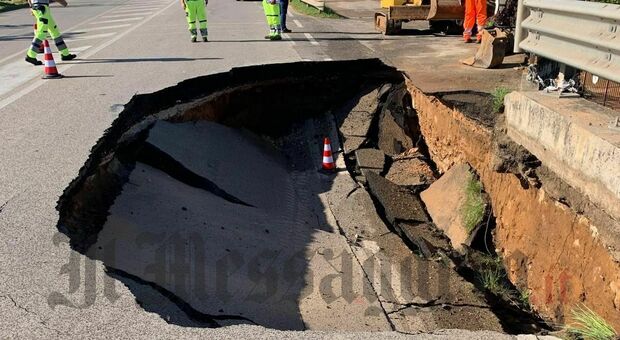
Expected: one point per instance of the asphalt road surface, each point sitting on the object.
(47, 128)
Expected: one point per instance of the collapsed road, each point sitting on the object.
(206, 201)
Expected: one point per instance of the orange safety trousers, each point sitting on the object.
(475, 10)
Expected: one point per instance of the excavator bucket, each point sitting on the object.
(446, 10)
(491, 52)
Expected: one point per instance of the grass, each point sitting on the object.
(498, 98)
(474, 206)
(588, 325)
(494, 280)
(9, 5)
(306, 9)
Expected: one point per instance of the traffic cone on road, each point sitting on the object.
(50, 66)
(328, 159)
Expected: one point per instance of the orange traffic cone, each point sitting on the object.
(50, 66)
(328, 160)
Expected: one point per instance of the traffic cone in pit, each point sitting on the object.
(328, 160)
(50, 66)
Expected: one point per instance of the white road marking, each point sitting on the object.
(311, 39)
(120, 15)
(102, 28)
(298, 23)
(288, 38)
(328, 59)
(19, 72)
(94, 36)
(117, 20)
(65, 67)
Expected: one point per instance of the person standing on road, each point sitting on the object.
(45, 23)
(283, 12)
(272, 12)
(196, 10)
(475, 12)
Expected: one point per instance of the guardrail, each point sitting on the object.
(582, 34)
(318, 4)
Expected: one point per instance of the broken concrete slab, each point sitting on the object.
(356, 213)
(444, 202)
(410, 172)
(370, 159)
(426, 236)
(369, 102)
(356, 123)
(399, 203)
(352, 143)
(392, 138)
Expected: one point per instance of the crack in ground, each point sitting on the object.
(432, 304)
(207, 320)
(28, 311)
(387, 317)
(151, 155)
(352, 191)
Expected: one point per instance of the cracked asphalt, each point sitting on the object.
(47, 129)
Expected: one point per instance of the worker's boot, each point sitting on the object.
(478, 38)
(194, 38)
(68, 57)
(204, 33)
(467, 38)
(33, 61)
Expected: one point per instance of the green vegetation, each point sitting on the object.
(588, 325)
(524, 297)
(473, 208)
(9, 5)
(498, 98)
(494, 280)
(311, 11)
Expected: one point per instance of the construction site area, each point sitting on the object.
(372, 177)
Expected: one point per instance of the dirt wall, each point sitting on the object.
(548, 248)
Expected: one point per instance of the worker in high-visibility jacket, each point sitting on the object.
(196, 10)
(272, 12)
(475, 13)
(45, 23)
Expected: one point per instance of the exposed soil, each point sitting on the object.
(549, 249)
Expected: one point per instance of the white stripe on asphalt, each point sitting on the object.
(288, 38)
(19, 72)
(116, 16)
(97, 49)
(117, 20)
(311, 39)
(103, 28)
(298, 23)
(328, 59)
(94, 36)
(123, 10)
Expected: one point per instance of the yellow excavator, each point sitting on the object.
(443, 15)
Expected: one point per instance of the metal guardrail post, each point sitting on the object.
(519, 31)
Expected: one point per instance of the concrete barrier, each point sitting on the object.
(573, 138)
